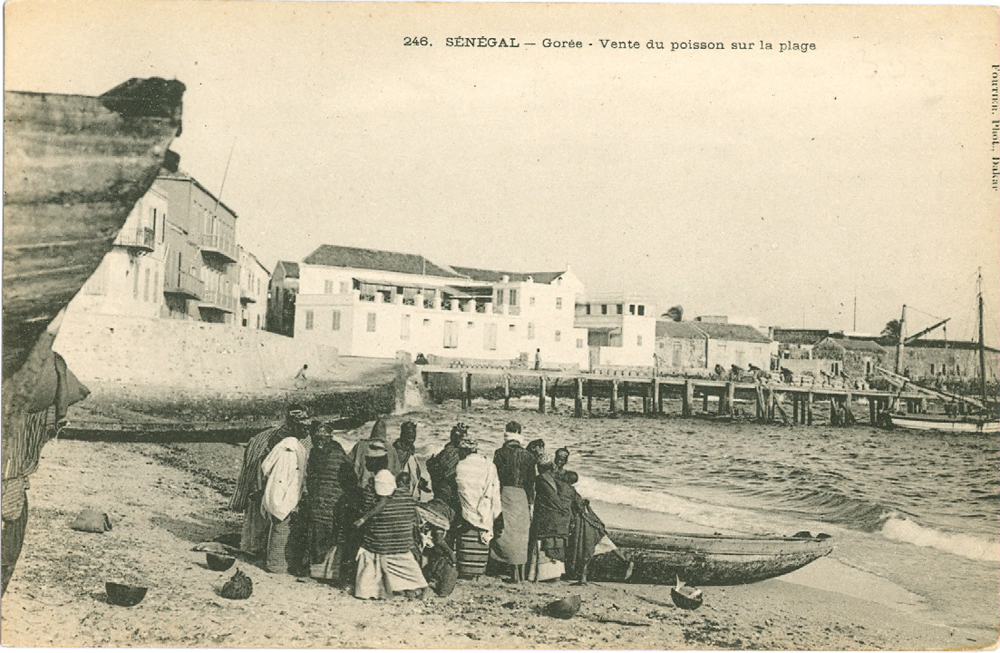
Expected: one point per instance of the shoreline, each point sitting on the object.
(160, 510)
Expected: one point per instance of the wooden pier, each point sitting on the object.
(651, 391)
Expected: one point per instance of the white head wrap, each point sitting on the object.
(385, 483)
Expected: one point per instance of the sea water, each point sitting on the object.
(914, 514)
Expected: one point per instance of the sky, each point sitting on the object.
(761, 184)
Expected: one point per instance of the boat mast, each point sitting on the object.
(899, 342)
(982, 347)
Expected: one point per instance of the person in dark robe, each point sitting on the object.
(442, 466)
(329, 481)
(359, 455)
(587, 534)
(537, 449)
(406, 449)
(250, 484)
(516, 470)
(550, 522)
(559, 463)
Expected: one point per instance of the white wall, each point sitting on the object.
(638, 342)
(427, 328)
(734, 352)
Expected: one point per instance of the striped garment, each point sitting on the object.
(392, 529)
(24, 435)
(251, 480)
(471, 555)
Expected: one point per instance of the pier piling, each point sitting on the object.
(506, 392)
(686, 406)
(614, 397)
(578, 404)
(541, 394)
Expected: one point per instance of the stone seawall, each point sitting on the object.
(144, 371)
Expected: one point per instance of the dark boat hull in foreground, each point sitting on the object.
(658, 558)
(74, 166)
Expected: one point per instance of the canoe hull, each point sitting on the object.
(659, 558)
(74, 166)
(947, 425)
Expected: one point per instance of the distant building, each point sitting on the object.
(282, 289)
(797, 344)
(681, 346)
(855, 359)
(175, 258)
(128, 280)
(202, 275)
(621, 329)
(735, 344)
(254, 281)
(377, 303)
(933, 360)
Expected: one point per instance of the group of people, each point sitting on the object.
(312, 508)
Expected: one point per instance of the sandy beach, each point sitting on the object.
(162, 499)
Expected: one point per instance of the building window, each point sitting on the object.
(156, 284)
(490, 337)
(335, 321)
(450, 334)
(531, 301)
(531, 330)
(721, 348)
(579, 343)
(642, 309)
(371, 323)
(621, 309)
(309, 320)
(344, 288)
(932, 368)
(135, 281)
(604, 309)
(399, 290)
(471, 325)
(558, 303)
(513, 297)
(427, 321)
(638, 341)
(500, 297)
(944, 369)
(631, 309)
(586, 309)
(328, 287)
(404, 327)
(512, 328)
(558, 336)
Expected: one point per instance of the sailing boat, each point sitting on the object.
(986, 420)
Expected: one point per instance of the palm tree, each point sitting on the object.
(675, 313)
(891, 330)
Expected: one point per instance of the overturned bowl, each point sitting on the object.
(219, 562)
(124, 595)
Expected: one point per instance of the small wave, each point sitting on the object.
(968, 546)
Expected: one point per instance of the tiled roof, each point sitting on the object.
(495, 276)
(291, 268)
(671, 329)
(937, 343)
(374, 259)
(857, 345)
(799, 336)
(740, 332)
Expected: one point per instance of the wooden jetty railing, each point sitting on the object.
(653, 390)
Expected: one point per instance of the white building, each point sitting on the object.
(254, 279)
(129, 280)
(621, 329)
(374, 303)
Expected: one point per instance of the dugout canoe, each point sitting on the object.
(659, 558)
(74, 166)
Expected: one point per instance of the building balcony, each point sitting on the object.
(184, 284)
(246, 297)
(219, 245)
(141, 239)
(217, 301)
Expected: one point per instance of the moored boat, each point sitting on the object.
(944, 423)
(74, 166)
(662, 558)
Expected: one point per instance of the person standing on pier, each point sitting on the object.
(516, 472)
(538, 359)
(251, 481)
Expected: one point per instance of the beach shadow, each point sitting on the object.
(191, 531)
